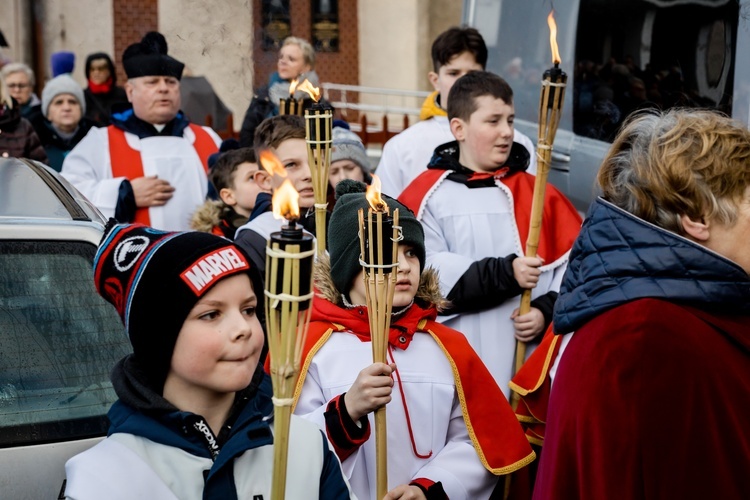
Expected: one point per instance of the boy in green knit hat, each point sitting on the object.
(434, 385)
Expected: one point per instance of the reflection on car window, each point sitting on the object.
(58, 343)
(632, 55)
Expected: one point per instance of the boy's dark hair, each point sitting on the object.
(462, 99)
(221, 173)
(455, 41)
(277, 129)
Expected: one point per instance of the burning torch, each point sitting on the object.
(290, 105)
(379, 234)
(551, 98)
(319, 137)
(288, 293)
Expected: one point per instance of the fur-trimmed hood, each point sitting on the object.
(428, 292)
(217, 218)
(207, 216)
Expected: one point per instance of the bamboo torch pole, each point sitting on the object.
(319, 132)
(288, 292)
(379, 259)
(550, 109)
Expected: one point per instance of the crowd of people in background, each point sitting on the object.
(650, 292)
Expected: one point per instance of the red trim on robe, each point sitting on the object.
(555, 239)
(533, 384)
(126, 161)
(493, 428)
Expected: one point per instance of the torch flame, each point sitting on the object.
(293, 86)
(313, 92)
(285, 201)
(373, 195)
(285, 198)
(271, 163)
(553, 37)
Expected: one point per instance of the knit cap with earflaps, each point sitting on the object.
(154, 279)
(343, 232)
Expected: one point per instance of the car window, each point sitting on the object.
(58, 343)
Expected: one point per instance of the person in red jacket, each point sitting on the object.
(649, 397)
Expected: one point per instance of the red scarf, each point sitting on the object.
(356, 319)
(101, 88)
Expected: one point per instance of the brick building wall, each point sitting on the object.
(337, 67)
(132, 19)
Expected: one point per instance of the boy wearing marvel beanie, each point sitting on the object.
(191, 419)
(441, 383)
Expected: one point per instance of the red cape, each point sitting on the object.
(533, 384)
(493, 428)
(560, 220)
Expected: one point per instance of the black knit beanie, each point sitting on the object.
(343, 236)
(154, 278)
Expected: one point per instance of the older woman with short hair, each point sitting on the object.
(19, 81)
(647, 396)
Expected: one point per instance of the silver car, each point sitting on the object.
(58, 338)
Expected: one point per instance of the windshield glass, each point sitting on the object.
(58, 343)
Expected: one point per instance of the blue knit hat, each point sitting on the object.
(62, 62)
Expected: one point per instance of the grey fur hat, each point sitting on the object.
(348, 146)
(62, 84)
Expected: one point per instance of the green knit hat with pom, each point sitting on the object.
(343, 237)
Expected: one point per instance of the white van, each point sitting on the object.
(620, 55)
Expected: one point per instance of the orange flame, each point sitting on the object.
(313, 92)
(373, 196)
(285, 201)
(293, 86)
(271, 163)
(553, 37)
(285, 198)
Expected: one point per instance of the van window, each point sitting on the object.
(58, 343)
(620, 55)
(655, 53)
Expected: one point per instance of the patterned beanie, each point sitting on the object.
(154, 278)
(348, 146)
(343, 232)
